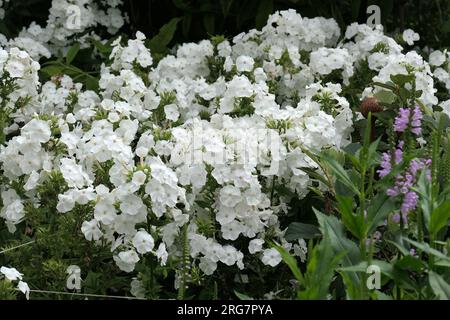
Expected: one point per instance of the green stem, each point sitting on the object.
(370, 183)
(420, 225)
(272, 191)
(432, 245)
(402, 226)
(370, 256)
(184, 264)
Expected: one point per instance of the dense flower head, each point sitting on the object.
(391, 158)
(12, 274)
(402, 120)
(66, 19)
(409, 36)
(196, 142)
(408, 117)
(405, 182)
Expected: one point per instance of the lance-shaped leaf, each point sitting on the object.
(440, 287)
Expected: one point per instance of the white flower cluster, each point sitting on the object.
(384, 56)
(69, 21)
(11, 274)
(20, 83)
(440, 63)
(205, 148)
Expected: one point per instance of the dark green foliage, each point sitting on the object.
(199, 19)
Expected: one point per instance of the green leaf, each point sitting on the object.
(385, 267)
(332, 228)
(400, 247)
(315, 175)
(425, 191)
(291, 262)
(404, 94)
(319, 271)
(91, 83)
(378, 210)
(52, 70)
(381, 296)
(339, 172)
(385, 96)
(440, 287)
(372, 154)
(442, 263)
(354, 160)
(72, 53)
(265, 8)
(411, 263)
(101, 47)
(384, 85)
(298, 230)
(439, 217)
(160, 42)
(242, 296)
(92, 281)
(352, 148)
(425, 247)
(366, 142)
(402, 79)
(353, 222)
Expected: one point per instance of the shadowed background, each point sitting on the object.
(202, 18)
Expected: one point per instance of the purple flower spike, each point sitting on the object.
(416, 123)
(385, 165)
(392, 192)
(409, 202)
(398, 155)
(407, 116)
(402, 120)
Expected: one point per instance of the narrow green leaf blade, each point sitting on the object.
(160, 42)
(440, 287)
(72, 53)
(439, 217)
(298, 230)
(291, 263)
